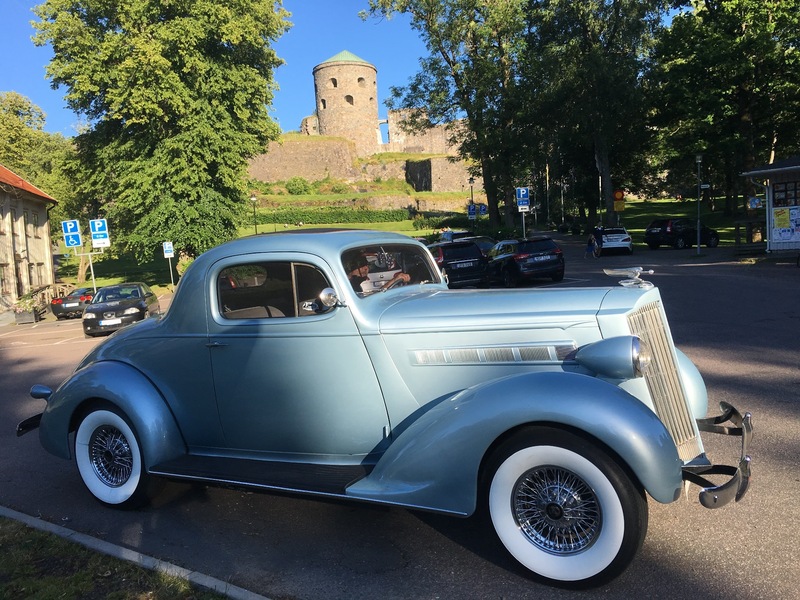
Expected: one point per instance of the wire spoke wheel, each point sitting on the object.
(111, 456)
(557, 510)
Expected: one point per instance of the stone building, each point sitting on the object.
(346, 127)
(346, 94)
(26, 256)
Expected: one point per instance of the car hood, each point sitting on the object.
(490, 310)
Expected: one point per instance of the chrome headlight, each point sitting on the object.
(642, 356)
(131, 311)
(623, 357)
(89, 315)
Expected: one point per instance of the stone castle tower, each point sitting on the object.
(346, 90)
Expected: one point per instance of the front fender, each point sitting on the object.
(124, 387)
(434, 464)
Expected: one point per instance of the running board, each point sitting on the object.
(299, 477)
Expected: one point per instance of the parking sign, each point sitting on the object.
(100, 237)
(169, 252)
(72, 233)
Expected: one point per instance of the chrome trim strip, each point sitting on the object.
(549, 353)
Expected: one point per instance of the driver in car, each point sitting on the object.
(358, 273)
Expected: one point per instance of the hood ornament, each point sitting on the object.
(632, 277)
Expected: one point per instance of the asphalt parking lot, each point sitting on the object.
(736, 318)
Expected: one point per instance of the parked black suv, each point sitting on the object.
(512, 261)
(678, 233)
(461, 261)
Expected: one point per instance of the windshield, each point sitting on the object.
(376, 268)
(114, 293)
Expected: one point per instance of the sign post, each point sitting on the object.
(169, 252)
(523, 204)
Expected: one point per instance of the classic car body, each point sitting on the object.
(553, 410)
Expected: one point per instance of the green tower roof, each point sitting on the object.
(345, 56)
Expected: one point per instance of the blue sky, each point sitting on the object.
(322, 28)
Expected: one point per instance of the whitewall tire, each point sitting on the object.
(564, 509)
(109, 459)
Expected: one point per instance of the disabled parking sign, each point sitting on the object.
(72, 233)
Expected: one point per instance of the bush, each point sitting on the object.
(298, 186)
(330, 215)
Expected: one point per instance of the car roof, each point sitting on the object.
(460, 241)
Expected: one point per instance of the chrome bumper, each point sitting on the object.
(734, 489)
(28, 424)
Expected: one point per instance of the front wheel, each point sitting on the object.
(110, 459)
(564, 509)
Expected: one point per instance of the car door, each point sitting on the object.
(290, 380)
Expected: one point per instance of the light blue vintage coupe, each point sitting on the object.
(339, 364)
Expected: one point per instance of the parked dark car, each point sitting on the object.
(485, 243)
(678, 233)
(71, 305)
(461, 261)
(511, 261)
(116, 306)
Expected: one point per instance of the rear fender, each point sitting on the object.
(435, 462)
(126, 389)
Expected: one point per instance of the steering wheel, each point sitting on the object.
(395, 283)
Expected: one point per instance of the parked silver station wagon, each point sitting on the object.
(339, 364)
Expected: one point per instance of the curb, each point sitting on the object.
(147, 562)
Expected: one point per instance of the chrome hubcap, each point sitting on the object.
(110, 456)
(556, 510)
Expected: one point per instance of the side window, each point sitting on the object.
(267, 290)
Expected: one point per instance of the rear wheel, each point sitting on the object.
(564, 508)
(713, 241)
(110, 459)
(680, 243)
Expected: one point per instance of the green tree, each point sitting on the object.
(469, 81)
(21, 124)
(726, 84)
(176, 95)
(585, 61)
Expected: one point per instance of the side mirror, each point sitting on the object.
(328, 299)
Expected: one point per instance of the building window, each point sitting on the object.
(334, 83)
(324, 103)
(14, 223)
(36, 224)
(4, 280)
(31, 276)
(26, 223)
(349, 100)
(362, 82)
(2, 220)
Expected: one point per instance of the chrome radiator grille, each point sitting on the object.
(663, 380)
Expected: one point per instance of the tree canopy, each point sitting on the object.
(176, 93)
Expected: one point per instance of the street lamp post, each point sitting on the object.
(254, 200)
(699, 160)
(471, 197)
